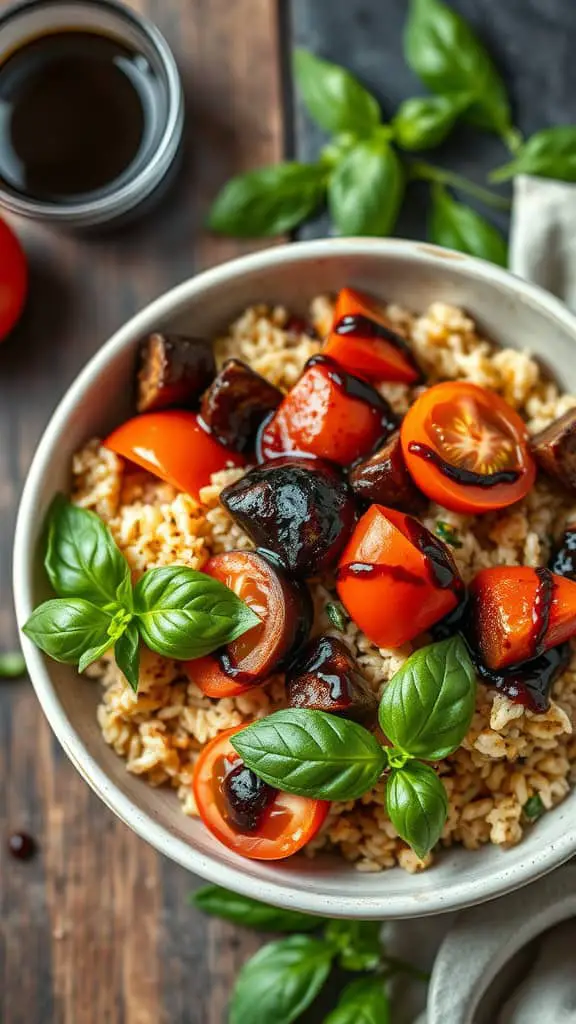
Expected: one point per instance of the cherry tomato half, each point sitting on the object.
(329, 414)
(466, 448)
(174, 446)
(289, 823)
(363, 341)
(517, 613)
(285, 609)
(13, 279)
(395, 578)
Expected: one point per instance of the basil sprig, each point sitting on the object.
(550, 153)
(178, 612)
(457, 226)
(12, 665)
(425, 712)
(281, 981)
(231, 906)
(362, 1002)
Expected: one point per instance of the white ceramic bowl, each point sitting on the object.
(508, 310)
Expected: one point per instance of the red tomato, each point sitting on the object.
(395, 578)
(329, 414)
(518, 613)
(466, 448)
(289, 823)
(13, 279)
(363, 341)
(174, 446)
(285, 610)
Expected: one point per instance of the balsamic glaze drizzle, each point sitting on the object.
(363, 327)
(356, 388)
(542, 608)
(460, 475)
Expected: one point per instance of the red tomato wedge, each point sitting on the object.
(395, 578)
(363, 341)
(283, 605)
(13, 279)
(517, 613)
(174, 446)
(466, 448)
(328, 414)
(288, 823)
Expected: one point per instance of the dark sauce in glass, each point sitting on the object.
(459, 474)
(359, 389)
(363, 327)
(531, 682)
(75, 108)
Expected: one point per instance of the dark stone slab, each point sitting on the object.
(533, 43)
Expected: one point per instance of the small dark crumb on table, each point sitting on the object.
(21, 846)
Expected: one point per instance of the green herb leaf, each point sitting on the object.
(127, 654)
(337, 615)
(12, 665)
(82, 559)
(67, 628)
(362, 1002)
(333, 97)
(358, 943)
(534, 808)
(183, 613)
(280, 981)
(218, 902)
(312, 753)
(268, 201)
(92, 654)
(457, 226)
(366, 189)
(417, 805)
(443, 51)
(550, 153)
(425, 121)
(448, 534)
(427, 707)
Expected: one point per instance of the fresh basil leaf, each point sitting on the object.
(366, 189)
(417, 805)
(67, 627)
(443, 51)
(268, 201)
(425, 121)
(312, 753)
(333, 97)
(127, 654)
(12, 665)
(533, 808)
(280, 981)
(358, 943)
(183, 613)
(82, 559)
(550, 153)
(362, 1002)
(456, 226)
(92, 654)
(427, 707)
(218, 902)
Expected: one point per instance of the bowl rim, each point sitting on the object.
(460, 894)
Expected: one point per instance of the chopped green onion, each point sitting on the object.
(448, 533)
(12, 665)
(533, 808)
(337, 615)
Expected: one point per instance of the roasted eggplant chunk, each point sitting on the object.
(235, 404)
(302, 510)
(174, 370)
(554, 449)
(325, 677)
(382, 478)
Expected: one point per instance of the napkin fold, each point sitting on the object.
(548, 994)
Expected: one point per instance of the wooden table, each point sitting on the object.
(96, 929)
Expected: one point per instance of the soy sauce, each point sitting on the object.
(74, 111)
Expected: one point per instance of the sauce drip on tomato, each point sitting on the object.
(542, 607)
(356, 388)
(442, 570)
(460, 475)
(362, 326)
(530, 683)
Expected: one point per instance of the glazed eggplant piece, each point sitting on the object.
(235, 404)
(383, 478)
(173, 371)
(285, 609)
(325, 677)
(302, 510)
(246, 798)
(563, 558)
(554, 449)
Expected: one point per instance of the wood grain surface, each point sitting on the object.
(96, 929)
